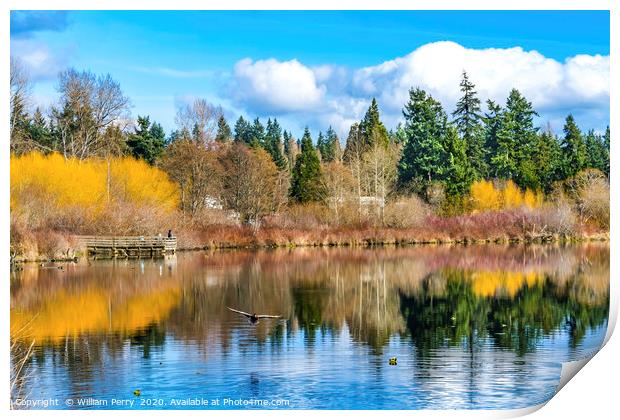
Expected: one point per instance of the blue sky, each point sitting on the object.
(322, 68)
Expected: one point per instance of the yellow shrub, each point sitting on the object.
(484, 196)
(532, 199)
(43, 182)
(62, 182)
(512, 196)
(138, 182)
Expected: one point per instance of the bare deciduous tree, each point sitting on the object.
(353, 158)
(291, 152)
(198, 118)
(250, 183)
(589, 190)
(20, 95)
(379, 173)
(195, 167)
(88, 106)
(340, 186)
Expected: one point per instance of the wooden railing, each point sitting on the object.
(128, 244)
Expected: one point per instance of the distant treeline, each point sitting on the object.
(256, 170)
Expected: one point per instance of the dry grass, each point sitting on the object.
(406, 212)
(21, 350)
(407, 221)
(542, 224)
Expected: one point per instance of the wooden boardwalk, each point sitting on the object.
(128, 246)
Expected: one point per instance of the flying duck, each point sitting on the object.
(253, 318)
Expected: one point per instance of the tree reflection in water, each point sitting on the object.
(511, 298)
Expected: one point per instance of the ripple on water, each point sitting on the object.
(171, 336)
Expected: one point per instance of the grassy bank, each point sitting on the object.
(510, 226)
(366, 238)
(359, 239)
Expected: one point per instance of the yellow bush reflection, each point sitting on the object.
(504, 283)
(93, 310)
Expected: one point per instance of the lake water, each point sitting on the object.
(470, 327)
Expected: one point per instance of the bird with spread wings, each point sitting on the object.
(253, 318)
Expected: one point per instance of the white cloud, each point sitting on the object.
(588, 77)
(580, 81)
(39, 61)
(334, 95)
(277, 86)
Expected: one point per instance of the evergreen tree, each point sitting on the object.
(321, 145)
(371, 127)
(181, 134)
(606, 139)
(158, 141)
(597, 155)
(306, 181)
(143, 145)
(516, 139)
(398, 136)
(332, 150)
(459, 173)
(40, 132)
(467, 117)
(198, 133)
(257, 136)
(273, 143)
(573, 149)
(243, 131)
(548, 159)
(423, 159)
(492, 123)
(354, 146)
(286, 137)
(223, 130)
(157, 132)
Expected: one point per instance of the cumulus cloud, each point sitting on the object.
(277, 86)
(334, 95)
(580, 82)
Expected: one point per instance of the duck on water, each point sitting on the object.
(253, 318)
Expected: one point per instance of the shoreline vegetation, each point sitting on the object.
(248, 239)
(84, 166)
(382, 241)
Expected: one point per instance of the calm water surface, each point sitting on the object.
(471, 327)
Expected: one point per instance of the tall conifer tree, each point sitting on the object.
(371, 127)
(459, 173)
(145, 142)
(243, 131)
(257, 138)
(468, 117)
(573, 148)
(423, 159)
(516, 139)
(333, 150)
(224, 133)
(306, 183)
(273, 143)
